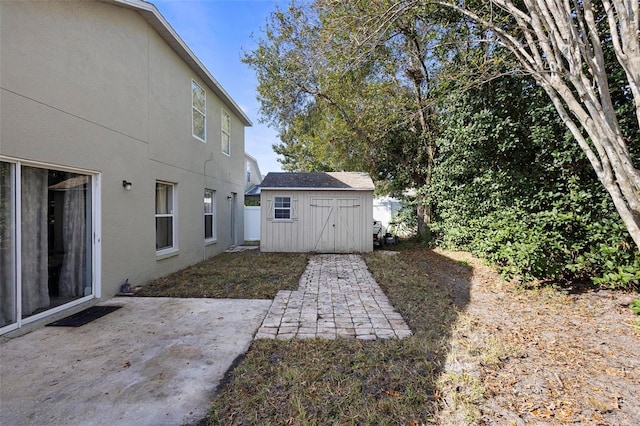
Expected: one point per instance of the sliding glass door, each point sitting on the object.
(8, 300)
(46, 251)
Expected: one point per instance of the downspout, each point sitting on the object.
(204, 176)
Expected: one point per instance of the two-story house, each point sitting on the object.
(121, 156)
(252, 182)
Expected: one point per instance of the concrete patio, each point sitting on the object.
(155, 361)
(158, 361)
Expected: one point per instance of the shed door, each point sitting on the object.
(334, 224)
(322, 225)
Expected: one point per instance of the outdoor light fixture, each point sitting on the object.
(126, 185)
(229, 197)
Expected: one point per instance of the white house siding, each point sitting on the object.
(385, 209)
(92, 86)
(254, 177)
(352, 216)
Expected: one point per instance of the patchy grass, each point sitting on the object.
(507, 355)
(346, 381)
(420, 380)
(342, 381)
(244, 275)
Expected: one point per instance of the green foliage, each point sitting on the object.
(405, 219)
(635, 306)
(399, 93)
(510, 186)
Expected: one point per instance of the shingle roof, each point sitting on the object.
(318, 180)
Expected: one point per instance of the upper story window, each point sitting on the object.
(199, 111)
(165, 229)
(282, 208)
(226, 132)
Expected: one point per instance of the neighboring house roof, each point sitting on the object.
(164, 29)
(318, 180)
(253, 191)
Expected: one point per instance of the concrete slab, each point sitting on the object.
(155, 361)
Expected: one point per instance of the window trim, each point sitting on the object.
(225, 117)
(195, 110)
(214, 235)
(173, 249)
(281, 208)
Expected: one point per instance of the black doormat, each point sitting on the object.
(84, 317)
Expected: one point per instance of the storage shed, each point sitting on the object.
(316, 212)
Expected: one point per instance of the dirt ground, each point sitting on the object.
(562, 358)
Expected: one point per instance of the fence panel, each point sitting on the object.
(251, 223)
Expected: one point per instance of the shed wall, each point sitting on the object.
(315, 213)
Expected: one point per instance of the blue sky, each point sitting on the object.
(218, 31)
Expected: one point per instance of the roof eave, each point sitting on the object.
(312, 189)
(154, 18)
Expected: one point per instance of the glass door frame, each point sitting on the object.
(96, 232)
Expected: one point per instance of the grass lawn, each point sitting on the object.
(475, 355)
(347, 381)
(342, 381)
(243, 275)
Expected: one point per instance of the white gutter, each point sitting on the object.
(313, 189)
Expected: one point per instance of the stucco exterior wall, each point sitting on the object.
(92, 86)
(303, 232)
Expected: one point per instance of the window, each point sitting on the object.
(209, 224)
(164, 216)
(282, 208)
(199, 111)
(226, 133)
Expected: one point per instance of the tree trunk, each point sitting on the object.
(560, 45)
(418, 74)
(424, 218)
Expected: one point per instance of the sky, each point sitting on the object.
(217, 32)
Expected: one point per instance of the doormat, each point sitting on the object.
(84, 317)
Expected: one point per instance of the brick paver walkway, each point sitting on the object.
(337, 297)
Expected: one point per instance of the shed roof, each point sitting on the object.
(158, 22)
(355, 181)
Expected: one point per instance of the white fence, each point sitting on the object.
(251, 223)
(383, 210)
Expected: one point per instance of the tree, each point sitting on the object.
(349, 85)
(563, 45)
(511, 185)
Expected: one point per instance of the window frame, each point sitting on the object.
(195, 111)
(212, 214)
(173, 213)
(225, 133)
(282, 207)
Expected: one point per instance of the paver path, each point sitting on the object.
(337, 297)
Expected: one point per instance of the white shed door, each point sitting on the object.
(333, 224)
